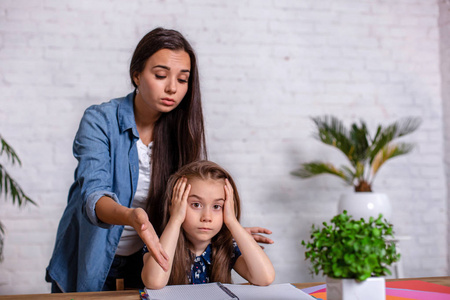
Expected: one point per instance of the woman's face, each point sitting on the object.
(164, 81)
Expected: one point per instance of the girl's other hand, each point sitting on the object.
(148, 235)
(255, 232)
(229, 214)
(178, 204)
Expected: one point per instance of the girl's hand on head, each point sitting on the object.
(229, 215)
(178, 204)
(140, 222)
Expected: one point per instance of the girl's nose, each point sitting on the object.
(206, 216)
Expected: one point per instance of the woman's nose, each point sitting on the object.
(171, 86)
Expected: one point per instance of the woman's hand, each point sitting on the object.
(111, 212)
(229, 215)
(255, 232)
(140, 222)
(178, 204)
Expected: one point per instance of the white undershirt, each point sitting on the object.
(130, 242)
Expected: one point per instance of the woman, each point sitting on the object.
(126, 150)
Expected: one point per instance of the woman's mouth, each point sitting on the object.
(168, 101)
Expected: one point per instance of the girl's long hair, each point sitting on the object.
(179, 136)
(222, 243)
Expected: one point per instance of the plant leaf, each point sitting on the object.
(10, 188)
(349, 248)
(10, 153)
(365, 154)
(316, 168)
(331, 131)
(388, 152)
(359, 137)
(395, 130)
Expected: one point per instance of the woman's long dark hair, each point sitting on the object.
(178, 136)
(222, 243)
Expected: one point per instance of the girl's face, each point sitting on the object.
(204, 214)
(164, 81)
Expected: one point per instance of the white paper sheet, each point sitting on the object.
(213, 291)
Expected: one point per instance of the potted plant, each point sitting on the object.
(9, 188)
(354, 255)
(365, 153)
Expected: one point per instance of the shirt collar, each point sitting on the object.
(125, 114)
(206, 255)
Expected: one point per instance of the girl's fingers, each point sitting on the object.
(228, 184)
(186, 193)
(178, 190)
(229, 211)
(228, 190)
(179, 198)
(182, 187)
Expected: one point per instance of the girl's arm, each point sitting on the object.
(253, 264)
(153, 276)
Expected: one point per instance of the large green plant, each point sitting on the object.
(348, 248)
(365, 152)
(9, 188)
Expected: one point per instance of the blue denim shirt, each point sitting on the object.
(108, 165)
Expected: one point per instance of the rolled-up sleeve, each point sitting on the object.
(89, 208)
(92, 149)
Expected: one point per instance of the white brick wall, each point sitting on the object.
(266, 67)
(444, 25)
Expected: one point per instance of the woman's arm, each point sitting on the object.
(253, 264)
(111, 212)
(92, 148)
(153, 276)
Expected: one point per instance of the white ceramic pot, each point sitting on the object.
(365, 205)
(373, 288)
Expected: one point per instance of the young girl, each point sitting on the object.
(201, 219)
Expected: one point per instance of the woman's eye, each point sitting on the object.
(160, 76)
(182, 81)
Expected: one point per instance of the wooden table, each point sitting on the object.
(444, 280)
(134, 294)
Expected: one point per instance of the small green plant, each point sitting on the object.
(366, 153)
(349, 248)
(9, 188)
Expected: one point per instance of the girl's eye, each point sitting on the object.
(217, 207)
(182, 81)
(160, 76)
(195, 205)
